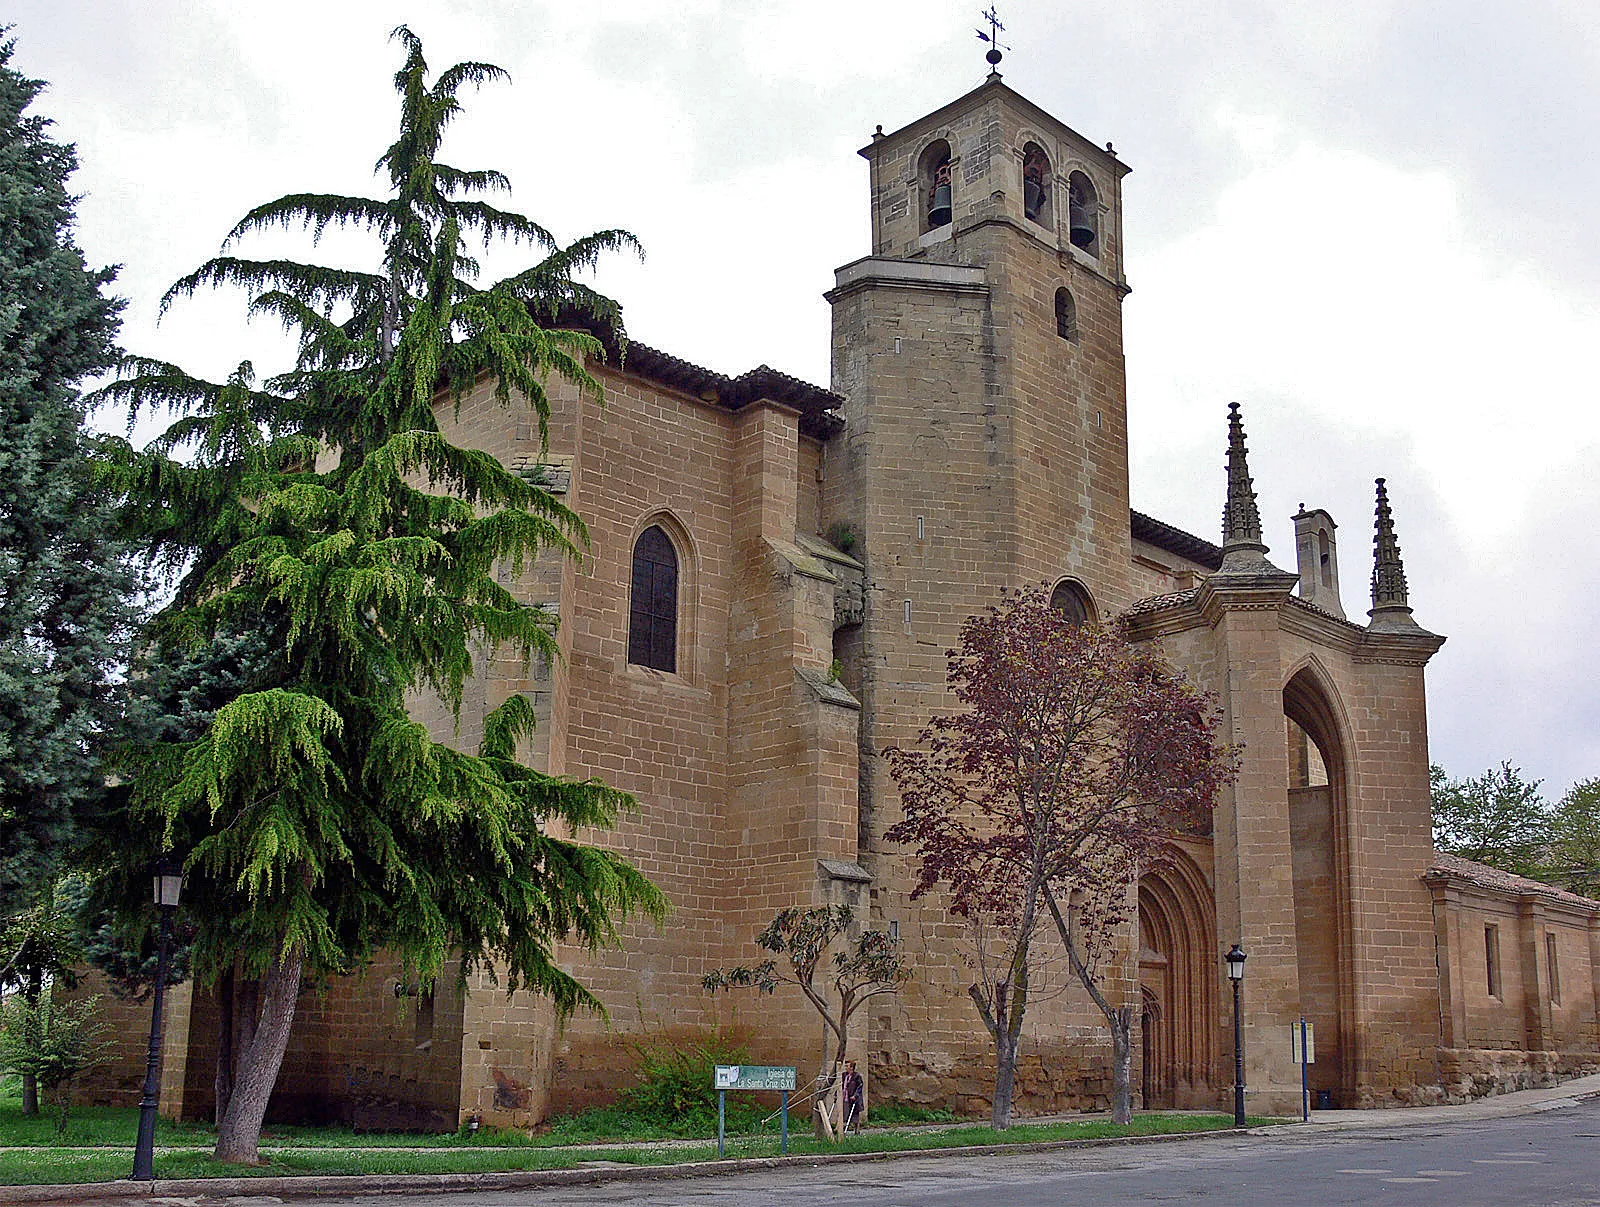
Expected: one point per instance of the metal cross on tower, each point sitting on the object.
(993, 36)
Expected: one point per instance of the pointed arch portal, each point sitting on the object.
(1318, 792)
(1178, 985)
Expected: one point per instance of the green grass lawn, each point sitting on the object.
(98, 1147)
(98, 1143)
(89, 1127)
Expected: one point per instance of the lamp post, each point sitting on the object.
(168, 888)
(1236, 959)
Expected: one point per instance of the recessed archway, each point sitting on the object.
(1318, 791)
(1178, 984)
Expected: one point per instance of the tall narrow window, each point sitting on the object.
(1491, 957)
(1553, 968)
(1036, 177)
(1066, 315)
(653, 616)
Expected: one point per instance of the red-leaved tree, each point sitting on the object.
(1076, 758)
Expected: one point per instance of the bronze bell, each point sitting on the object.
(939, 207)
(1033, 198)
(1082, 235)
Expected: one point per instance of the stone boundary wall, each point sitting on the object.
(1468, 1073)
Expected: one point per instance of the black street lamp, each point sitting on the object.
(1236, 959)
(168, 888)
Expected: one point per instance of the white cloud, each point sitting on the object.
(1370, 330)
(1369, 225)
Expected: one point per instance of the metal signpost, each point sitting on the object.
(750, 1077)
(1303, 1038)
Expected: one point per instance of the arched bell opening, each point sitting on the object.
(936, 178)
(1177, 943)
(1037, 178)
(1318, 790)
(1083, 213)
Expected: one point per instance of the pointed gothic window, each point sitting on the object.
(1066, 315)
(653, 615)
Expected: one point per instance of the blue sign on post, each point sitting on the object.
(750, 1077)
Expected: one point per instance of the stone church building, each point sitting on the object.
(778, 570)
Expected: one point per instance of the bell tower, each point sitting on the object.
(981, 341)
(989, 156)
(979, 347)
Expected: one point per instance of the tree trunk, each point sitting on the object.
(33, 991)
(825, 1092)
(1005, 1079)
(1120, 1021)
(1005, 1028)
(246, 1014)
(239, 1132)
(239, 1006)
(222, 1083)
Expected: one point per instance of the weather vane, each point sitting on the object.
(993, 37)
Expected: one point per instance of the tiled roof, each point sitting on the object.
(1481, 874)
(816, 405)
(1155, 603)
(1174, 540)
(1297, 602)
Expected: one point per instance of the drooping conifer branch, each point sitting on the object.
(327, 511)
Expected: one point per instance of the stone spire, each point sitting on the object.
(1392, 628)
(1389, 598)
(1241, 518)
(1243, 551)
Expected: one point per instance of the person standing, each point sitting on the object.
(855, 1098)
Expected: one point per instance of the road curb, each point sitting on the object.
(313, 1185)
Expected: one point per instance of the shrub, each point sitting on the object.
(52, 1041)
(675, 1076)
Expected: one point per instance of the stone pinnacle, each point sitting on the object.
(1241, 518)
(1388, 574)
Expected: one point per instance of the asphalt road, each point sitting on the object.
(1549, 1159)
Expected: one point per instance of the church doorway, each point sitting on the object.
(1317, 794)
(1154, 1092)
(1178, 991)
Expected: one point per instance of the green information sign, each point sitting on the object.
(754, 1077)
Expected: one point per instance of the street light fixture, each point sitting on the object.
(168, 885)
(1236, 959)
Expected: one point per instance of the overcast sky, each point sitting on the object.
(1369, 222)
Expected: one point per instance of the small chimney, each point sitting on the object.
(1318, 560)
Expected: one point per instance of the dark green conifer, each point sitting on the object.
(64, 588)
(320, 822)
